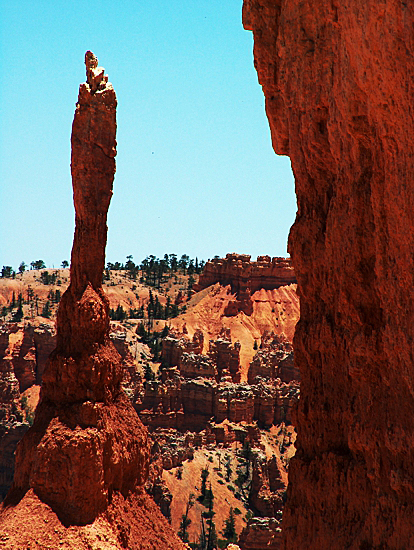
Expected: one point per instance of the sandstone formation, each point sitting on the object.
(185, 354)
(273, 360)
(131, 380)
(12, 425)
(337, 78)
(246, 277)
(27, 347)
(191, 403)
(225, 356)
(267, 486)
(238, 271)
(274, 310)
(87, 453)
(261, 533)
(44, 338)
(23, 353)
(175, 344)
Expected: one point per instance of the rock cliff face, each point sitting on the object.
(12, 425)
(23, 353)
(246, 277)
(194, 388)
(338, 81)
(175, 344)
(87, 452)
(273, 360)
(179, 351)
(261, 533)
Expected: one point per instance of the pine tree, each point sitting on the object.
(18, 316)
(212, 535)
(148, 373)
(229, 532)
(46, 312)
(228, 469)
(204, 476)
(185, 521)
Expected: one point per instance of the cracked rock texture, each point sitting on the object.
(339, 84)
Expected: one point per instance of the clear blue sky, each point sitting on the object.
(196, 173)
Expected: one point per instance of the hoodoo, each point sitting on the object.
(87, 455)
(338, 80)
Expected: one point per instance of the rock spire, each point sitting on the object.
(86, 441)
(87, 454)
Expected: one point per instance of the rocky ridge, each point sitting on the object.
(246, 277)
(192, 392)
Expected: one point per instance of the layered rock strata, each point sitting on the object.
(185, 354)
(12, 424)
(225, 355)
(27, 347)
(246, 277)
(338, 81)
(267, 486)
(273, 360)
(201, 388)
(23, 351)
(261, 533)
(87, 452)
(182, 403)
(175, 344)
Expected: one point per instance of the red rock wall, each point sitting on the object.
(245, 278)
(238, 271)
(338, 81)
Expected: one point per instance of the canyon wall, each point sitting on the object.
(338, 81)
(246, 277)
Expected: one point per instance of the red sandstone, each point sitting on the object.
(246, 277)
(87, 455)
(338, 81)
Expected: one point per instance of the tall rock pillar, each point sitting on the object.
(87, 442)
(338, 78)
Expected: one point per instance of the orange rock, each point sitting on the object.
(337, 77)
(87, 452)
(245, 278)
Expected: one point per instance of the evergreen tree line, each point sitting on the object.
(153, 339)
(154, 271)
(7, 271)
(154, 310)
(13, 304)
(33, 301)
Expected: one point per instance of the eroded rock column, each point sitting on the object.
(338, 80)
(87, 441)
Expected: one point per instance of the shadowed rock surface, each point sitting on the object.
(338, 81)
